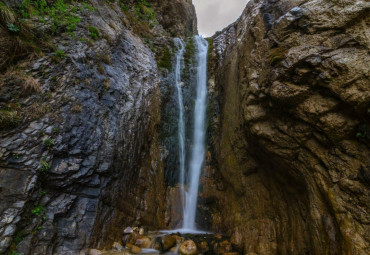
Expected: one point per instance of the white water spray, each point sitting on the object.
(181, 122)
(198, 149)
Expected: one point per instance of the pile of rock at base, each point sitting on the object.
(137, 241)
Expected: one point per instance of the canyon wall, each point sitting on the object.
(89, 135)
(83, 159)
(289, 161)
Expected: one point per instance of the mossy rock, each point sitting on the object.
(276, 56)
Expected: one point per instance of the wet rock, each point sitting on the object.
(168, 241)
(67, 153)
(135, 250)
(94, 252)
(203, 247)
(117, 247)
(188, 248)
(128, 230)
(222, 247)
(143, 242)
(179, 239)
(131, 238)
(291, 105)
(157, 246)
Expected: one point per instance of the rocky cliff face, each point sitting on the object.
(80, 155)
(289, 142)
(88, 132)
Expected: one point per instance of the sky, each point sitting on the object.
(214, 15)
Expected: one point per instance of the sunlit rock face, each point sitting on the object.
(288, 165)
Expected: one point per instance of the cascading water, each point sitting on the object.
(181, 122)
(198, 149)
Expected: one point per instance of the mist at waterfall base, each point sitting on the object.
(189, 198)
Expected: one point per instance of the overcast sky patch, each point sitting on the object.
(214, 15)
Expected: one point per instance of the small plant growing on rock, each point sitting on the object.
(88, 7)
(55, 130)
(100, 68)
(363, 131)
(189, 51)
(106, 59)
(276, 56)
(18, 238)
(106, 83)
(58, 56)
(77, 108)
(38, 210)
(49, 143)
(9, 118)
(12, 27)
(45, 166)
(165, 60)
(94, 32)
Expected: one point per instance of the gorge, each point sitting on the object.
(117, 120)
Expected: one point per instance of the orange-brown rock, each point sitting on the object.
(188, 248)
(203, 247)
(135, 249)
(290, 128)
(168, 241)
(143, 242)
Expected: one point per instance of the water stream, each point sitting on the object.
(198, 148)
(181, 122)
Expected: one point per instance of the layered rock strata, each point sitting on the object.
(289, 161)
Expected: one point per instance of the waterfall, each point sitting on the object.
(198, 148)
(181, 122)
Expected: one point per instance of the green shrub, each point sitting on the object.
(106, 59)
(88, 7)
(100, 68)
(166, 59)
(18, 237)
(9, 118)
(210, 47)
(38, 210)
(55, 130)
(49, 143)
(12, 27)
(150, 44)
(189, 51)
(60, 54)
(58, 13)
(94, 32)
(363, 131)
(45, 166)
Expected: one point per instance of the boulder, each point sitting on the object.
(168, 241)
(143, 242)
(94, 252)
(128, 230)
(117, 247)
(135, 249)
(188, 248)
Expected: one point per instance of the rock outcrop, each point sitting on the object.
(88, 128)
(84, 159)
(289, 162)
